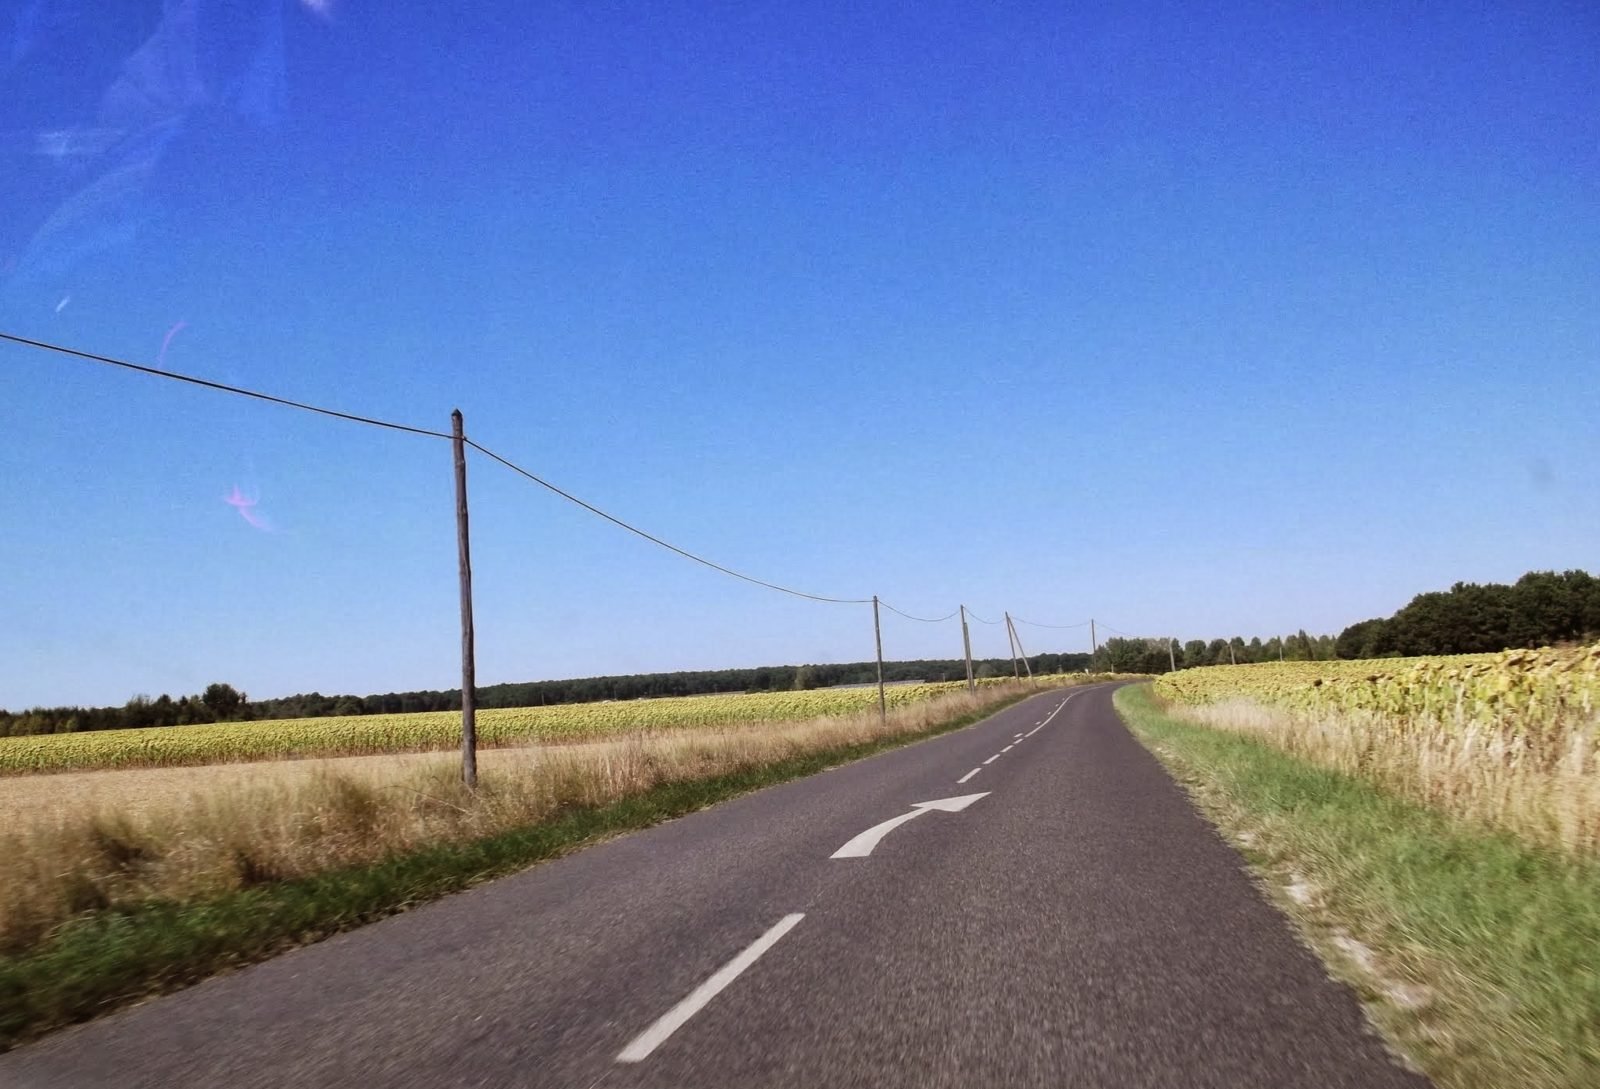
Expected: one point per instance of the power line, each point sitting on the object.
(919, 619)
(1058, 627)
(592, 509)
(176, 377)
(980, 619)
(242, 392)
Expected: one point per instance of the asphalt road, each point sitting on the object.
(1076, 925)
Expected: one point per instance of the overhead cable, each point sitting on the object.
(592, 509)
(206, 382)
(1058, 627)
(980, 619)
(919, 619)
(372, 421)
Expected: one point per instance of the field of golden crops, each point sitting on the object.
(1508, 740)
(1532, 697)
(223, 742)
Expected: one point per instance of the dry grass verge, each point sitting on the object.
(1469, 771)
(125, 838)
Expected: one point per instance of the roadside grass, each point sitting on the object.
(123, 942)
(1506, 742)
(1476, 953)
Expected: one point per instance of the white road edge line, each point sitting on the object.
(968, 775)
(991, 759)
(1050, 716)
(669, 1022)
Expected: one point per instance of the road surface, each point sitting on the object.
(1059, 916)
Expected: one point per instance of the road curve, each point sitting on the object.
(1075, 924)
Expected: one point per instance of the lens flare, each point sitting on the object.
(161, 357)
(246, 506)
(200, 61)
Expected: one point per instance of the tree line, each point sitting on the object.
(1542, 608)
(1150, 655)
(1539, 609)
(223, 703)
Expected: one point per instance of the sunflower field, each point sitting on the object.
(366, 734)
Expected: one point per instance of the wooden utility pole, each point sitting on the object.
(966, 646)
(1011, 641)
(1172, 659)
(1232, 658)
(1015, 634)
(1094, 644)
(877, 634)
(469, 712)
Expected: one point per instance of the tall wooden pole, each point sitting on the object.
(966, 645)
(877, 634)
(1015, 634)
(469, 711)
(1094, 644)
(1011, 641)
(1172, 659)
(1232, 659)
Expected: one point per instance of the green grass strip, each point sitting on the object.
(1486, 951)
(110, 958)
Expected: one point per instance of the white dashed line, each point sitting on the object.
(1019, 738)
(1050, 716)
(653, 1037)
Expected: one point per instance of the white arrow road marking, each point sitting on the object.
(671, 1021)
(861, 846)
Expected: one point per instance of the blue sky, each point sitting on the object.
(1196, 319)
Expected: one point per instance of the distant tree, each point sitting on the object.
(222, 700)
(1362, 639)
(136, 713)
(1119, 655)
